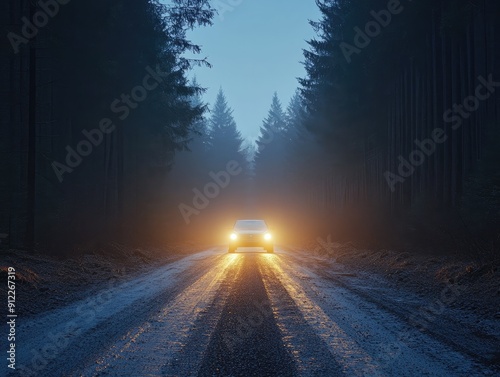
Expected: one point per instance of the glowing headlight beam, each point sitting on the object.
(233, 236)
(268, 236)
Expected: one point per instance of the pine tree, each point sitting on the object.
(270, 157)
(225, 141)
(199, 140)
(191, 164)
(225, 148)
(295, 114)
(270, 144)
(94, 52)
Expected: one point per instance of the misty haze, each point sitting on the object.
(250, 188)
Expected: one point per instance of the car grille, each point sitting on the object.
(250, 237)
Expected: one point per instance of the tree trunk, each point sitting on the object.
(31, 178)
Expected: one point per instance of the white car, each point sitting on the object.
(251, 233)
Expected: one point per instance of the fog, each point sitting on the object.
(386, 137)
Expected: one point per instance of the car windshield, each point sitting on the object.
(258, 225)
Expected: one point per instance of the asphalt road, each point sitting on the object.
(255, 314)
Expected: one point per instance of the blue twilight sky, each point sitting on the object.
(255, 49)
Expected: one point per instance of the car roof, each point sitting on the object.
(254, 220)
(250, 223)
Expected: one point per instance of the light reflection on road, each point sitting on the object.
(167, 332)
(354, 360)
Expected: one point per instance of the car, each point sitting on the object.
(251, 233)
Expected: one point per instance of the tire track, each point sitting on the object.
(146, 350)
(352, 359)
(187, 360)
(312, 355)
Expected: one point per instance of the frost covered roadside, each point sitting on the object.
(454, 301)
(424, 274)
(46, 282)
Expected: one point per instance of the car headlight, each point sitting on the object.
(268, 236)
(233, 236)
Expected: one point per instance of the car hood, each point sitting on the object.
(250, 231)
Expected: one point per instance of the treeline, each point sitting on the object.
(95, 101)
(392, 134)
(400, 125)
